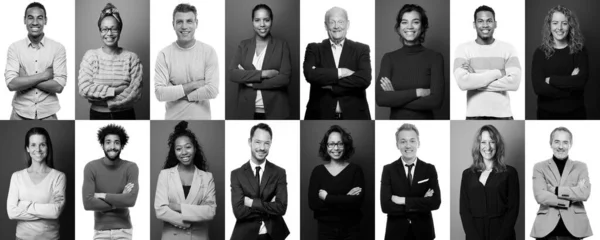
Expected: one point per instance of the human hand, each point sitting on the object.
(273, 200)
(128, 188)
(49, 73)
(346, 72)
(386, 84)
(575, 72)
(180, 227)
(547, 80)
(322, 194)
(100, 195)
(429, 193)
(269, 73)
(468, 67)
(329, 87)
(581, 183)
(240, 67)
(355, 191)
(248, 202)
(58, 198)
(398, 200)
(423, 92)
(249, 85)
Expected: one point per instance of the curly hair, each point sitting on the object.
(574, 37)
(478, 164)
(40, 131)
(422, 15)
(110, 11)
(181, 130)
(346, 139)
(113, 129)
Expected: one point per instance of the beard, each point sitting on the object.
(113, 158)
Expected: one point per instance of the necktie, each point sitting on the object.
(410, 166)
(258, 178)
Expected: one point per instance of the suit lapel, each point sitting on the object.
(176, 180)
(566, 171)
(195, 188)
(267, 173)
(554, 170)
(345, 56)
(250, 177)
(400, 168)
(268, 52)
(419, 172)
(249, 57)
(329, 61)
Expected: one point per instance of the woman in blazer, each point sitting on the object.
(335, 191)
(36, 195)
(185, 192)
(261, 67)
(411, 79)
(489, 190)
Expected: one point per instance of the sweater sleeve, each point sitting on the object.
(164, 90)
(436, 87)
(125, 200)
(211, 77)
(132, 93)
(538, 78)
(87, 87)
(51, 210)
(314, 202)
(574, 82)
(512, 79)
(90, 203)
(396, 98)
(467, 80)
(15, 210)
(205, 210)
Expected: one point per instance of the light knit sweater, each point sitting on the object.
(36, 207)
(487, 88)
(101, 74)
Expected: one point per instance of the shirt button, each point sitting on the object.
(35, 60)
(35, 71)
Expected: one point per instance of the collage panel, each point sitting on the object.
(337, 63)
(267, 202)
(412, 59)
(111, 179)
(38, 179)
(419, 207)
(561, 59)
(187, 180)
(338, 179)
(262, 59)
(559, 176)
(188, 80)
(112, 60)
(487, 43)
(44, 80)
(487, 179)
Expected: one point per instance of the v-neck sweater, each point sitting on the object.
(33, 205)
(338, 207)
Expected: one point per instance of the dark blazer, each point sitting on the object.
(320, 70)
(417, 210)
(274, 90)
(490, 211)
(273, 185)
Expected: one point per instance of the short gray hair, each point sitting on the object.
(407, 127)
(564, 129)
(333, 9)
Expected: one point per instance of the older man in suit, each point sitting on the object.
(259, 192)
(560, 186)
(339, 71)
(409, 190)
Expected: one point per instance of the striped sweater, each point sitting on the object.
(110, 82)
(487, 88)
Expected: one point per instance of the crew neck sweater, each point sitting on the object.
(409, 68)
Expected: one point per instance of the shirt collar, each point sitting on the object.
(42, 42)
(253, 165)
(341, 44)
(404, 162)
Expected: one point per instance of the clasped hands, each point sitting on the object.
(263, 73)
(402, 200)
(575, 72)
(353, 192)
(387, 86)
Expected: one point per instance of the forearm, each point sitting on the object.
(210, 90)
(50, 86)
(121, 200)
(397, 98)
(198, 213)
(163, 212)
(472, 81)
(91, 203)
(25, 82)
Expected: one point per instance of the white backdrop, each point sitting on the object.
(537, 139)
(284, 152)
(510, 28)
(211, 30)
(434, 149)
(137, 150)
(59, 27)
(361, 14)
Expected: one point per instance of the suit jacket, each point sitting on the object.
(196, 210)
(568, 204)
(417, 210)
(273, 185)
(320, 70)
(490, 211)
(273, 90)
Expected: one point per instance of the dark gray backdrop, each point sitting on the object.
(135, 37)
(363, 134)
(210, 135)
(437, 39)
(462, 135)
(12, 147)
(586, 11)
(285, 25)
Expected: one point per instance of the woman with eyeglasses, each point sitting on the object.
(36, 195)
(110, 77)
(335, 191)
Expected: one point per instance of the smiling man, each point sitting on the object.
(110, 186)
(36, 69)
(487, 68)
(339, 72)
(409, 190)
(560, 186)
(259, 192)
(187, 71)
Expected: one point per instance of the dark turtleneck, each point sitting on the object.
(560, 163)
(560, 229)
